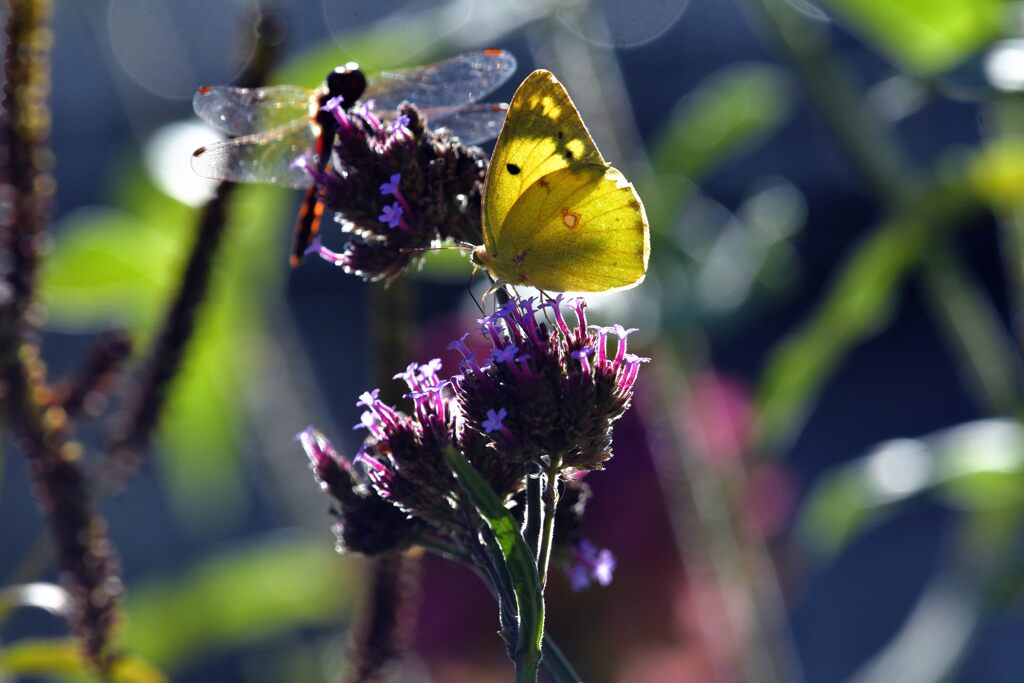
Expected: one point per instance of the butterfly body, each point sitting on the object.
(557, 216)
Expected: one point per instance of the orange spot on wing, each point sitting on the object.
(571, 219)
(205, 89)
(493, 52)
(199, 151)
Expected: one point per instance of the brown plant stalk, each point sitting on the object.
(41, 429)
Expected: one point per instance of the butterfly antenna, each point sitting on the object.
(449, 247)
(469, 289)
(545, 298)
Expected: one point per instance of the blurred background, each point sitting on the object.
(822, 478)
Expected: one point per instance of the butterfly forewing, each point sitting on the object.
(543, 133)
(244, 111)
(450, 83)
(266, 157)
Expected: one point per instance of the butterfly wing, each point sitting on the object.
(581, 228)
(262, 158)
(543, 133)
(244, 111)
(460, 80)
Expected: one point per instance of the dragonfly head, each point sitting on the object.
(348, 81)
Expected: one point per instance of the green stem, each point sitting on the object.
(445, 550)
(866, 142)
(534, 509)
(973, 328)
(553, 659)
(527, 664)
(550, 504)
(872, 150)
(557, 664)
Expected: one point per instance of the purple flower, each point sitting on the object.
(494, 420)
(333, 104)
(400, 123)
(504, 354)
(391, 187)
(431, 367)
(368, 398)
(566, 396)
(581, 355)
(424, 171)
(391, 215)
(365, 522)
(321, 453)
(587, 564)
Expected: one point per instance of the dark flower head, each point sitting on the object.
(398, 189)
(365, 522)
(549, 389)
(547, 392)
(404, 454)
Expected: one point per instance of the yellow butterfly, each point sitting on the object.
(556, 216)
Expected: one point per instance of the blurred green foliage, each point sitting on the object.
(925, 37)
(976, 467)
(119, 267)
(243, 594)
(62, 657)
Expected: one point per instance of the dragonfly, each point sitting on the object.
(272, 127)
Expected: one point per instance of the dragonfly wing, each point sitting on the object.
(460, 80)
(244, 111)
(472, 124)
(266, 157)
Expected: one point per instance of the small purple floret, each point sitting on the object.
(399, 123)
(368, 398)
(495, 420)
(505, 354)
(391, 215)
(391, 187)
(588, 565)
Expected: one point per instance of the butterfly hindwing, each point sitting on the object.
(581, 228)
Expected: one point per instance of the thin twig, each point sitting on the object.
(84, 554)
(382, 631)
(78, 394)
(386, 622)
(132, 431)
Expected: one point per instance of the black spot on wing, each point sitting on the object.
(513, 169)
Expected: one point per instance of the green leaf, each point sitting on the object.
(199, 429)
(107, 268)
(373, 48)
(860, 302)
(516, 553)
(847, 499)
(249, 593)
(980, 465)
(997, 172)
(924, 36)
(977, 467)
(39, 657)
(857, 304)
(726, 115)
